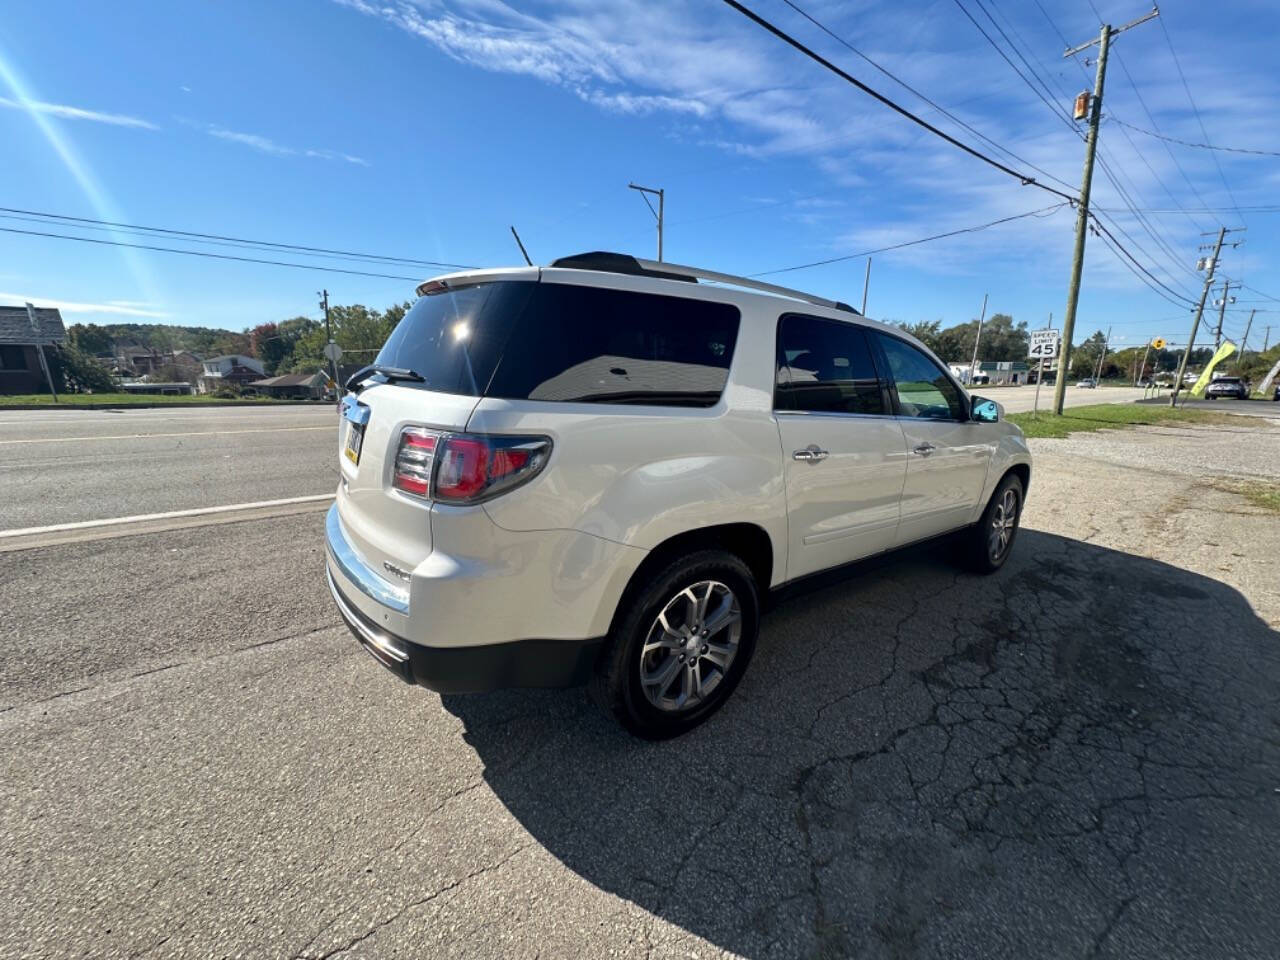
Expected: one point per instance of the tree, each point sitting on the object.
(1084, 357)
(76, 371)
(927, 332)
(359, 330)
(90, 338)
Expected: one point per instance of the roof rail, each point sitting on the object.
(622, 263)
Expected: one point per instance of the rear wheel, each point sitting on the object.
(987, 544)
(680, 646)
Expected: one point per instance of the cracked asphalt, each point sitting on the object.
(1078, 757)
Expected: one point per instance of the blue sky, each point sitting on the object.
(423, 129)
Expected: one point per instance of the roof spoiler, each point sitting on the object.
(634, 266)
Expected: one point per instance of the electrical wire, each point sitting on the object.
(1042, 212)
(1196, 110)
(167, 231)
(205, 253)
(1188, 143)
(892, 105)
(934, 104)
(1128, 256)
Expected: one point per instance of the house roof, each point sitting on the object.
(288, 380)
(15, 327)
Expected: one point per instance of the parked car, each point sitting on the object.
(1088, 383)
(1232, 387)
(595, 472)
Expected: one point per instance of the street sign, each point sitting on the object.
(1158, 343)
(332, 351)
(1044, 344)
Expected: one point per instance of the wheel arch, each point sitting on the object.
(747, 541)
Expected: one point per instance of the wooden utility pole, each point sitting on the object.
(973, 364)
(1222, 314)
(44, 364)
(1195, 324)
(1082, 206)
(1244, 343)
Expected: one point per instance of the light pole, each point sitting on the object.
(661, 195)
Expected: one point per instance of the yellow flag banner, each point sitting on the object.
(1224, 351)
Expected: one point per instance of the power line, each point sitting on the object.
(1042, 212)
(1129, 257)
(1188, 143)
(1055, 110)
(167, 231)
(892, 105)
(906, 86)
(1196, 110)
(205, 253)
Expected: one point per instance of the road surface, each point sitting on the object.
(1074, 758)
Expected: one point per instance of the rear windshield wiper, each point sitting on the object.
(391, 373)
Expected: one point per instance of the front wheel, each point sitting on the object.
(679, 647)
(986, 545)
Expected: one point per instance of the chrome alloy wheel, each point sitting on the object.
(1003, 524)
(690, 646)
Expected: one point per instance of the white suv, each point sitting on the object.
(594, 472)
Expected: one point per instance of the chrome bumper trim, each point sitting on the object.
(383, 643)
(355, 569)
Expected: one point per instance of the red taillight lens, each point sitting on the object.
(414, 460)
(464, 467)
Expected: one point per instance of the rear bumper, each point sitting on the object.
(478, 669)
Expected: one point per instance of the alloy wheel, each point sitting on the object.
(1003, 524)
(690, 646)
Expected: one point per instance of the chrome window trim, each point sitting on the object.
(357, 570)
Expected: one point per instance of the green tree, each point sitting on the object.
(74, 371)
(90, 338)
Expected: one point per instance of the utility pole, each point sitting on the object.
(1195, 324)
(866, 285)
(1247, 327)
(1097, 374)
(1222, 314)
(1082, 206)
(328, 329)
(1266, 340)
(973, 364)
(44, 364)
(661, 195)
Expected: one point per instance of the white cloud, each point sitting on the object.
(267, 145)
(77, 113)
(125, 308)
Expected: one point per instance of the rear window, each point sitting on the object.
(454, 338)
(592, 345)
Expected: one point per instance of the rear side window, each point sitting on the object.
(454, 338)
(825, 366)
(592, 345)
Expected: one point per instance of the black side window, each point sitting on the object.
(923, 389)
(825, 366)
(593, 345)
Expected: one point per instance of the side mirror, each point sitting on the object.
(983, 410)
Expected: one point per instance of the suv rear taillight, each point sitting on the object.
(465, 467)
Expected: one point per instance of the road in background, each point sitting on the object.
(1022, 399)
(75, 465)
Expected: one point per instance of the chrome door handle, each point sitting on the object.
(924, 449)
(810, 454)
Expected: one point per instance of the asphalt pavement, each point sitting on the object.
(1077, 757)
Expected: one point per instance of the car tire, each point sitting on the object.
(640, 646)
(982, 549)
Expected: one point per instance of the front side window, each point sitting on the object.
(923, 389)
(594, 345)
(825, 366)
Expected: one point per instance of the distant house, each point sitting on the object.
(991, 371)
(308, 386)
(19, 360)
(233, 369)
(149, 388)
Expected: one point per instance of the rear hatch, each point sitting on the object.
(441, 356)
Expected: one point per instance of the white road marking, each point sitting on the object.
(147, 436)
(169, 515)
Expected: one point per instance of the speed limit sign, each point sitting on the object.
(1044, 345)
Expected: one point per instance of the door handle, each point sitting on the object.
(924, 449)
(810, 454)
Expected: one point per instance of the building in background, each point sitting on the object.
(19, 358)
(233, 370)
(295, 386)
